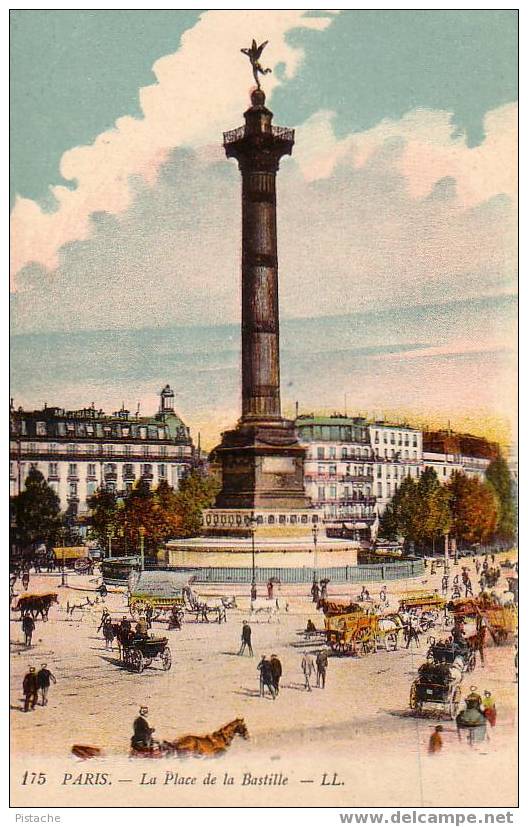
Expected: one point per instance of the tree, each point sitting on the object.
(36, 512)
(400, 516)
(195, 493)
(499, 477)
(104, 516)
(474, 508)
(433, 512)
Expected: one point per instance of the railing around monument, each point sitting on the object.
(375, 572)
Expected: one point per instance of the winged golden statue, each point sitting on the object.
(254, 53)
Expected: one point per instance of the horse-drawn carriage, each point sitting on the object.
(437, 684)
(358, 632)
(426, 605)
(139, 652)
(162, 591)
(502, 622)
(449, 652)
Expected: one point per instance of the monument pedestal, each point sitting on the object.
(262, 467)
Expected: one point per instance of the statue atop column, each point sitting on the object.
(254, 53)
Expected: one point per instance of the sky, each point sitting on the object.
(397, 212)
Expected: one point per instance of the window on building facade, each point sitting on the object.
(53, 469)
(333, 492)
(332, 452)
(72, 489)
(392, 438)
(32, 448)
(128, 450)
(376, 437)
(162, 472)
(346, 492)
(142, 432)
(41, 429)
(70, 427)
(332, 470)
(344, 453)
(89, 430)
(271, 519)
(91, 470)
(415, 440)
(321, 492)
(378, 470)
(445, 471)
(128, 470)
(146, 469)
(72, 469)
(145, 450)
(53, 447)
(415, 454)
(180, 452)
(385, 438)
(163, 450)
(379, 489)
(320, 453)
(406, 454)
(91, 488)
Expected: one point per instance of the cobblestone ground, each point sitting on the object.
(360, 725)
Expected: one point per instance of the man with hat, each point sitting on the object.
(44, 679)
(142, 737)
(473, 700)
(276, 672)
(30, 689)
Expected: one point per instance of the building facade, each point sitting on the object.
(354, 467)
(81, 451)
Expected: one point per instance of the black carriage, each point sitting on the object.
(443, 652)
(436, 685)
(139, 653)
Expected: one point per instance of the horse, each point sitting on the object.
(35, 604)
(202, 609)
(111, 631)
(203, 746)
(268, 607)
(389, 627)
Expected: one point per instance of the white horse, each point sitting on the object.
(388, 631)
(270, 608)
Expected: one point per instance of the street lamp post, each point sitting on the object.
(63, 572)
(110, 535)
(252, 526)
(142, 546)
(315, 532)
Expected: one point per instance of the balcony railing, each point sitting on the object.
(282, 132)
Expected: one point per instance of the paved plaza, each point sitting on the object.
(359, 726)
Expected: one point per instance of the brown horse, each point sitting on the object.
(201, 745)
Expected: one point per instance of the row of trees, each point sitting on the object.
(162, 513)
(423, 511)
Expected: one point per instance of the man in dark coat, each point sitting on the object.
(246, 639)
(142, 737)
(266, 676)
(276, 672)
(149, 612)
(44, 679)
(28, 627)
(30, 689)
(321, 662)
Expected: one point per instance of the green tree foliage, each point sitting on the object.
(499, 477)
(401, 516)
(474, 509)
(195, 493)
(432, 506)
(36, 511)
(103, 518)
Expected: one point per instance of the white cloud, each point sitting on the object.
(198, 91)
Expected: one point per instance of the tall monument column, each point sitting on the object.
(262, 460)
(258, 148)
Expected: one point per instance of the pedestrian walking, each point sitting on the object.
(269, 587)
(246, 639)
(253, 592)
(321, 661)
(103, 591)
(276, 672)
(324, 589)
(489, 708)
(25, 579)
(315, 592)
(383, 595)
(308, 668)
(445, 585)
(412, 631)
(469, 588)
(435, 741)
(266, 677)
(30, 689)
(149, 612)
(28, 627)
(44, 679)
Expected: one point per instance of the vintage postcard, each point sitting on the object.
(263, 419)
